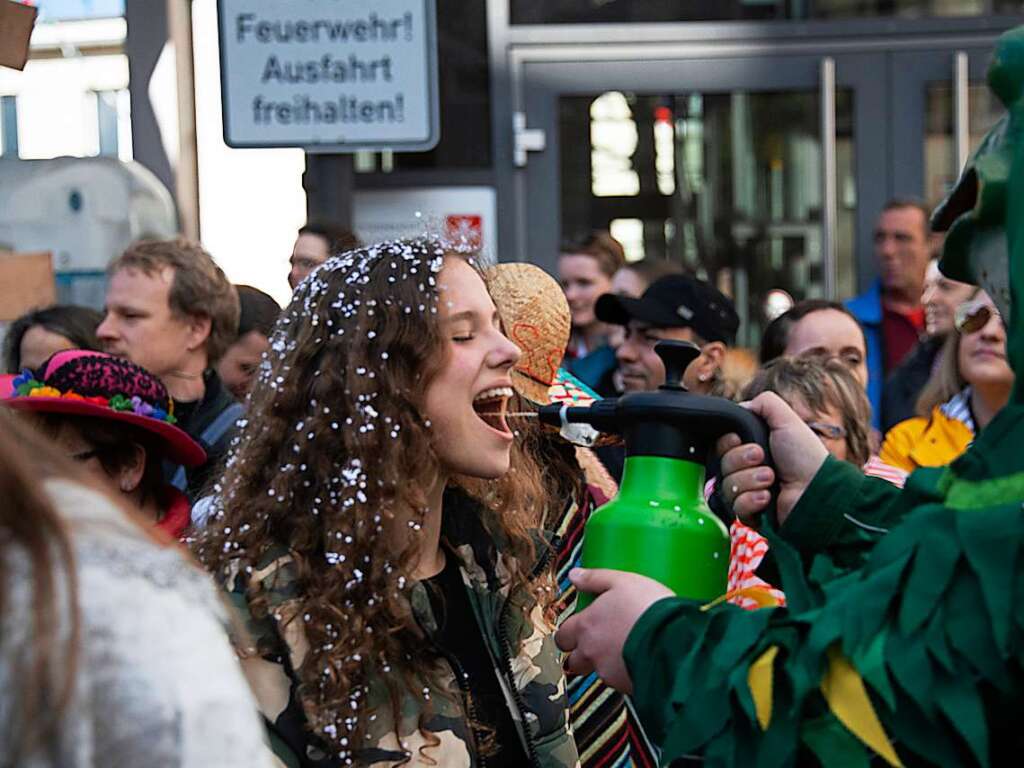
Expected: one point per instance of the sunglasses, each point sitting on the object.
(827, 431)
(972, 316)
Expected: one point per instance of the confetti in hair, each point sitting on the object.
(332, 463)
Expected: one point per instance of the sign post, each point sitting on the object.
(329, 76)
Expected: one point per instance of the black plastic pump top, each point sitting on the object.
(670, 421)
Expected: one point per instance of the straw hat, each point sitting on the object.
(536, 318)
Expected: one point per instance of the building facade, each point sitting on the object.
(754, 141)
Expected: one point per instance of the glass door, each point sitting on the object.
(749, 172)
(944, 108)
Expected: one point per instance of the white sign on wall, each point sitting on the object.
(464, 214)
(329, 75)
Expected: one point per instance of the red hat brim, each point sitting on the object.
(181, 448)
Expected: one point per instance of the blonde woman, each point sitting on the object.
(972, 385)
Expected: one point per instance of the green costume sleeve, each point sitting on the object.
(908, 627)
(676, 635)
(927, 638)
(842, 514)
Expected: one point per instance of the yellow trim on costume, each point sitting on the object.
(760, 594)
(759, 680)
(844, 691)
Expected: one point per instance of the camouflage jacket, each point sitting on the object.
(532, 678)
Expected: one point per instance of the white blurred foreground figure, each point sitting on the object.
(113, 649)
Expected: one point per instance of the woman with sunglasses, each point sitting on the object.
(827, 396)
(972, 384)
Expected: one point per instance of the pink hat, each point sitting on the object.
(80, 382)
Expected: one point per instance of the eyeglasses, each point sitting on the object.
(972, 316)
(827, 431)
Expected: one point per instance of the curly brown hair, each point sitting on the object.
(334, 464)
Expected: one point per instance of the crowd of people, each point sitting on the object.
(931, 363)
(391, 535)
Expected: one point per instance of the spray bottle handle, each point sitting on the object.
(676, 356)
(751, 428)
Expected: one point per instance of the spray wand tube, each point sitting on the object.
(682, 427)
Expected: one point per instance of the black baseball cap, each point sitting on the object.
(675, 301)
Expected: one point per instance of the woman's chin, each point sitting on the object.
(494, 468)
(484, 467)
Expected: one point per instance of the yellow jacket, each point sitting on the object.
(921, 442)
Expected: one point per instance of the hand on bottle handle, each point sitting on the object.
(747, 479)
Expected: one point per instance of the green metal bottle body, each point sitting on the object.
(660, 526)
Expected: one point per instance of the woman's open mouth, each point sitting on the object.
(490, 406)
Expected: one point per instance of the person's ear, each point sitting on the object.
(199, 328)
(711, 356)
(130, 475)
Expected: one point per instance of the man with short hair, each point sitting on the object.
(676, 307)
(170, 309)
(237, 368)
(890, 310)
(317, 242)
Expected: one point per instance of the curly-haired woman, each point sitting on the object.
(377, 522)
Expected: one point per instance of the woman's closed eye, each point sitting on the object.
(462, 330)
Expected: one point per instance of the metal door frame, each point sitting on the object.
(716, 69)
(912, 73)
(520, 53)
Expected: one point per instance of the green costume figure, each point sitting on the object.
(903, 638)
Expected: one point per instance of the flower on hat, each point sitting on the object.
(160, 413)
(141, 407)
(121, 403)
(22, 378)
(42, 391)
(26, 385)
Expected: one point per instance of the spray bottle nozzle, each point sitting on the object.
(577, 424)
(676, 357)
(602, 415)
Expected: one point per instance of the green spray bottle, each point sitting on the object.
(659, 524)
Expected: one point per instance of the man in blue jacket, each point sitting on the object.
(890, 310)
